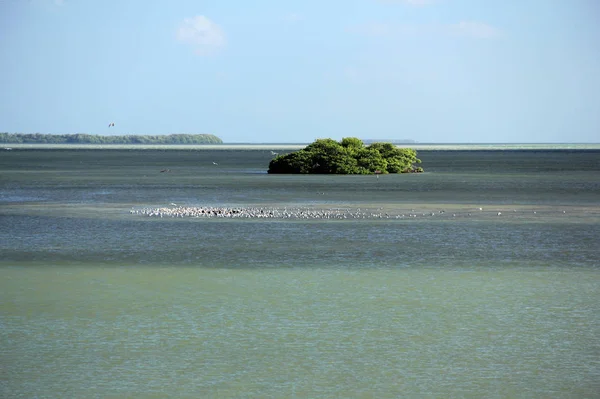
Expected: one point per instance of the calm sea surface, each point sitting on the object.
(487, 286)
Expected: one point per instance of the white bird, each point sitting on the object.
(274, 153)
(214, 163)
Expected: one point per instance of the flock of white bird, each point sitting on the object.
(177, 211)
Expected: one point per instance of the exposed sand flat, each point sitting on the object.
(319, 211)
(429, 211)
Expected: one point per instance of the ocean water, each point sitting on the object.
(488, 286)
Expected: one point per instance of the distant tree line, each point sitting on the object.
(81, 138)
(349, 156)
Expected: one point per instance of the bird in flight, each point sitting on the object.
(214, 163)
(111, 124)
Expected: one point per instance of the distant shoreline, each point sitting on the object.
(94, 139)
(295, 146)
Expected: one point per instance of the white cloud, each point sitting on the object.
(293, 17)
(414, 3)
(350, 73)
(472, 29)
(383, 30)
(389, 71)
(202, 33)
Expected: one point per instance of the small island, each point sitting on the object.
(348, 157)
(82, 138)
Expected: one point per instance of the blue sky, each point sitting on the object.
(445, 71)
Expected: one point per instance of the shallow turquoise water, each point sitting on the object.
(188, 332)
(96, 302)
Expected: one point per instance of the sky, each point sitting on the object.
(433, 71)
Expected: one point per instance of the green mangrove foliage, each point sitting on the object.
(349, 157)
(80, 138)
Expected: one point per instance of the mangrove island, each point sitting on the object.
(348, 157)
